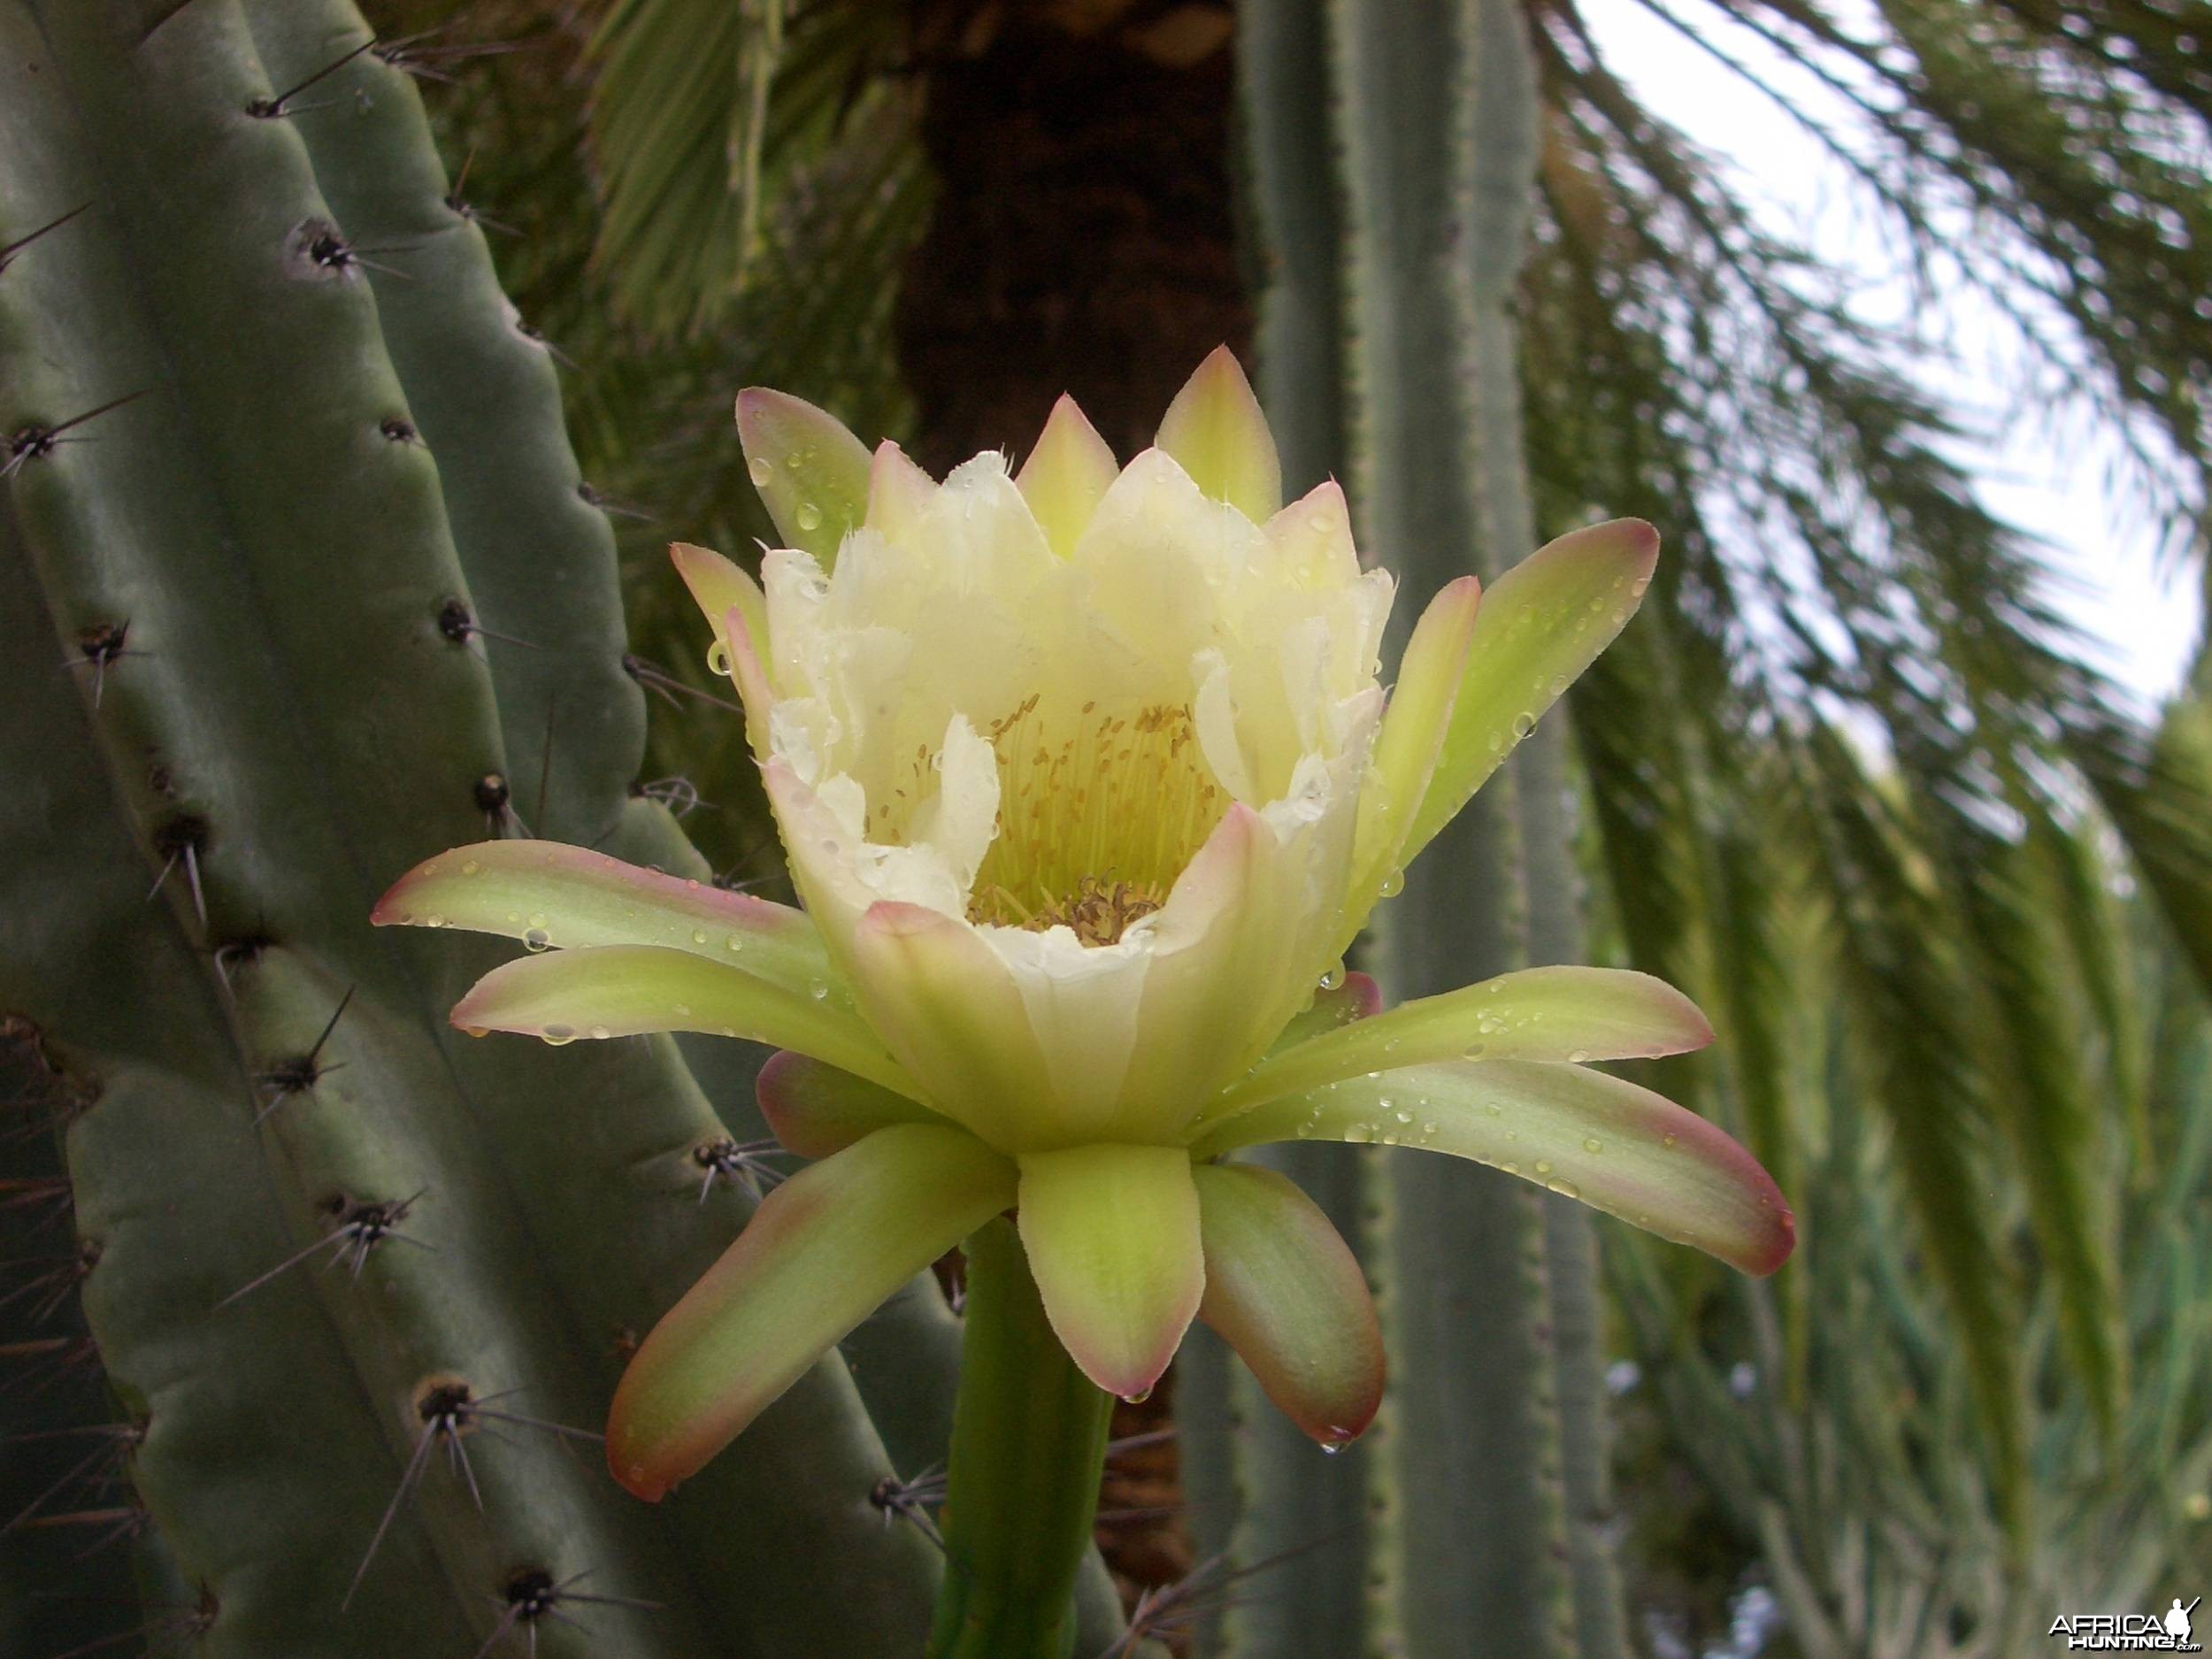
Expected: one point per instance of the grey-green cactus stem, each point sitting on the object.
(1390, 241)
(338, 462)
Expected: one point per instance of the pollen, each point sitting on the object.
(1100, 808)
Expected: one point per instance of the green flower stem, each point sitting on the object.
(1028, 1443)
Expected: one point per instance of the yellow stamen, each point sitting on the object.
(1099, 810)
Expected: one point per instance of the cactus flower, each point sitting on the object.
(1087, 781)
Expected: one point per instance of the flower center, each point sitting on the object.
(1099, 810)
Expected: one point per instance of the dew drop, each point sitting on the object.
(1576, 1056)
(471, 867)
(1669, 1139)
(557, 1035)
(1524, 723)
(434, 920)
(1565, 1189)
(1359, 1134)
(1591, 1143)
(600, 1033)
(1394, 884)
(698, 935)
(1387, 1139)
(1475, 1050)
(537, 919)
(758, 470)
(718, 657)
(1329, 1448)
(818, 989)
(476, 1031)
(1305, 1132)
(1543, 1166)
(1403, 1116)
(737, 941)
(809, 516)
(535, 939)
(1138, 1398)
(1510, 1168)
(1431, 1127)
(1333, 978)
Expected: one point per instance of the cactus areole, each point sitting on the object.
(1088, 779)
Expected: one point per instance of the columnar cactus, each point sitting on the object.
(286, 493)
(1392, 234)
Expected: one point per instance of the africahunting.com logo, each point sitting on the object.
(2129, 1633)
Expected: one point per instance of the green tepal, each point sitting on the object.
(287, 497)
(1470, 1522)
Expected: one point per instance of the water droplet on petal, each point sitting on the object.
(434, 920)
(1565, 1189)
(534, 939)
(698, 935)
(1577, 1057)
(1329, 1448)
(1543, 1166)
(1591, 1143)
(1333, 978)
(601, 1032)
(1359, 1134)
(1476, 1050)
(556, 1035)
(758, 470)
(1669, 1139)
(1524, 723)
(1138, 1398)
(818, 989)
(471, 867)
(1404, 1116)
(737, 941)
(718, 657)
(809, 516)
(1394, 884)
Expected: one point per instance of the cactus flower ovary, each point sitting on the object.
(1086, 779)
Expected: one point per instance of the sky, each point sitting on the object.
(2053, 473)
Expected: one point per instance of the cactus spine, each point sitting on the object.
(1469, 1525)
(332, 597)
